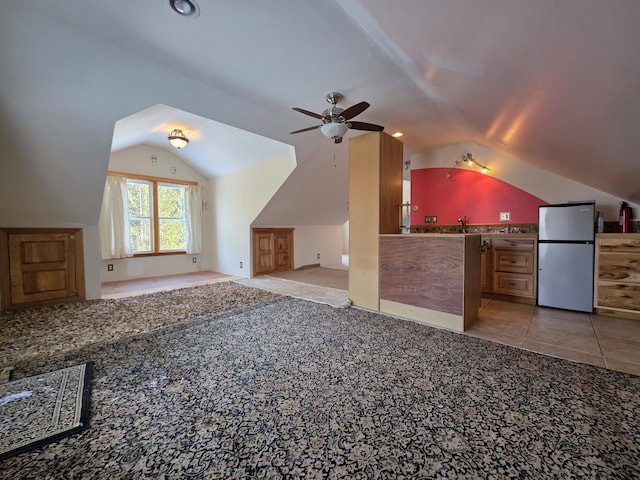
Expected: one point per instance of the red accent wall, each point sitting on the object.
(478, 196)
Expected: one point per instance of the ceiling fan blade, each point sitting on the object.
(338, 140)
(307, 112)
(306, 129)
(354, 110)
(366, 126)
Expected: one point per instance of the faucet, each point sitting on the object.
(463, 221)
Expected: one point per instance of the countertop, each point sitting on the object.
(433, 235)
(483, 235)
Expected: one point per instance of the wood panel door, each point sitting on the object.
(272, 250)
(41, 266)
(263, 253)
(283, 244)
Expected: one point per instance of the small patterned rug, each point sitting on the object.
(43, 408)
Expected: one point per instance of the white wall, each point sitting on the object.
(311, 240)
(345, 237)
(543, 184)
(235, 201)
(138, 160)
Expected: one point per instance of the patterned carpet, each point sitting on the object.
(294, 389)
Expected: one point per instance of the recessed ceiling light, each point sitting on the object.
(397, 134)
(186, 8)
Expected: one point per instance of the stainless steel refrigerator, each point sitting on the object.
(566, 236)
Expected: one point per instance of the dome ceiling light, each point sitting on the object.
(185, 8)
(178, 139)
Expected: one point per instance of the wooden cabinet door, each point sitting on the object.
(283, 243)
(272, 250)
(44, 266)
(263, 253)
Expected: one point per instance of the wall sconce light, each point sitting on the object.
(470, 161)
(178, 139)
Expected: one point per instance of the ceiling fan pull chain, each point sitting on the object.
(334, 156)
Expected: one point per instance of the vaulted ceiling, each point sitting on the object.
(550, 83)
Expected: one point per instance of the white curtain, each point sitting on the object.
(115, 239)
(193, 200)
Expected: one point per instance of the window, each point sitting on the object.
(157, 216)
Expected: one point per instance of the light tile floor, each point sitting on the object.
(603, 341)
(607, 342)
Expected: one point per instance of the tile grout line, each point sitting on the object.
(604, 358)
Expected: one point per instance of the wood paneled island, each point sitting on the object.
(431, 278)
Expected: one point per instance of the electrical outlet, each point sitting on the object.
(194, 260)
(318, 256)
(431, 219)
(240, 264)
(505, 216)
(109, 267)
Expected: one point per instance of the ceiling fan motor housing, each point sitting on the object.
(333, 114)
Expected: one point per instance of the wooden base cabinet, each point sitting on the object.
(431, 278)
(617, 275)
(41, 266)
(509, 268)
(272, 250)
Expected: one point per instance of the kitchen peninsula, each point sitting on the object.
(431, 278)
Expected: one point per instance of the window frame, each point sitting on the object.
(155, 219)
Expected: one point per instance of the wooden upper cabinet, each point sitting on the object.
(41, 266)
(272, 250)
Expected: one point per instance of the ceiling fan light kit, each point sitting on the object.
(334, 130)
(335, 120)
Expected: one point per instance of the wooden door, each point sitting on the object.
(41, 266)
(283, 241)
(263, 253)
(272, 250)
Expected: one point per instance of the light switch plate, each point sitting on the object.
(505, 216)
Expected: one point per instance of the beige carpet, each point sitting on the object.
(164, 287)
(305, 291)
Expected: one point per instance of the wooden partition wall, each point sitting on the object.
(375, 196)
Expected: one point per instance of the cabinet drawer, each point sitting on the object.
(514, 243)
(513, 261)
(619, 245)
(619, 295)
(619, 267)
(513, 284)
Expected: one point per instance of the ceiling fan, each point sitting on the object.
(335, 120)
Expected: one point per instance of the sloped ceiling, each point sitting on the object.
(550, 83)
